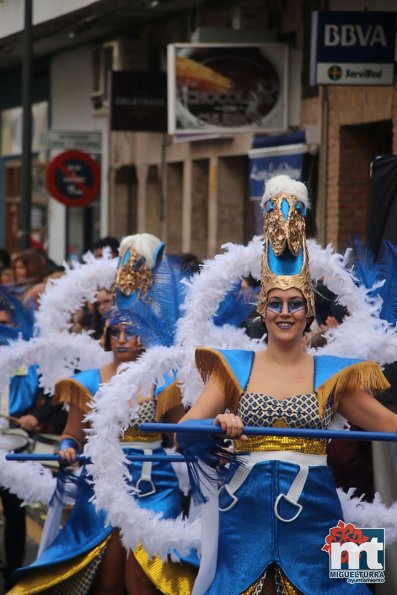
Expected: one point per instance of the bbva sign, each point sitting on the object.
(350, 35)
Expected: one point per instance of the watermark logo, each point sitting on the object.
(358, 555)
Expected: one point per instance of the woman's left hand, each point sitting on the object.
(232, 425)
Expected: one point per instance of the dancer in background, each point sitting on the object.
(86, 554)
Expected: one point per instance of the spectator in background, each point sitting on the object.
(102, 243)
(254, 326)
(6, 277)
(189, 263)
(5, 259)
(104, 302)
(29, 268)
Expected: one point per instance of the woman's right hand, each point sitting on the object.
(231, 425)
(68, 455)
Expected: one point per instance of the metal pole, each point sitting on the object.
(26, 177)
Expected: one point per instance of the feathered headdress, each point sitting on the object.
(138, 256)
(155, 315)
(285, 260)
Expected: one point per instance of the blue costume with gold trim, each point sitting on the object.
(276, 511)
(75, 554)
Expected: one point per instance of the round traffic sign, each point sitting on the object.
(73, 178)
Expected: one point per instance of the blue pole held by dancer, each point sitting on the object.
(85, 459)
(196, 426)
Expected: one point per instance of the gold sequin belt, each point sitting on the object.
(135, 435)
(275, 443)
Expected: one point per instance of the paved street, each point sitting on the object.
(35, 519)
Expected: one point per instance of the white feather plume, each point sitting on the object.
(112, 413)
(66, 295)
(57, 355)
(30, 481)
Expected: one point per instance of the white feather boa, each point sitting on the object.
(113, 413)
(115, 403)
(57, 355)
(29, 481)
(66, 295)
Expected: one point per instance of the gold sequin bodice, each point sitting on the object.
(146, 414)
(300, 411)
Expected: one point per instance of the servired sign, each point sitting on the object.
(353, 48)
(74, 178)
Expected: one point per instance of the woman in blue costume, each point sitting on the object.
(276, 510)
(87, 556)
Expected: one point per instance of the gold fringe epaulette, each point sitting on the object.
(169, 398)
(71, 391)
(366, 376)
(212, 364)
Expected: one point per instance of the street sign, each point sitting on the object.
(73, 178)
(63, 140)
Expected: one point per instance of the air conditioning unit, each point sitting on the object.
(121, 54)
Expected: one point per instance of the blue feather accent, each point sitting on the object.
(236, 306)
(366, 270)
(287, 263)
(207, 459)
(388, 292)
(155, 314)
(7, 334)
(22, 316)
(167, 291)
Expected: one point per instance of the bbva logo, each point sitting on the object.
(350, 35)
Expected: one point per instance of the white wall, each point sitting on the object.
(12, 12)
(71, 109)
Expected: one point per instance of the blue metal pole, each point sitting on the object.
(84, 459)
(193, 427)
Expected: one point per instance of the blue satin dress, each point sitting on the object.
(258, 527)
(71, 561)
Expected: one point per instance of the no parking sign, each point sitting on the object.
(73, 178)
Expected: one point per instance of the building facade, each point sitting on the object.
(194, 194)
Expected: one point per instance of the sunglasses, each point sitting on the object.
(115, 333)
(293, 305)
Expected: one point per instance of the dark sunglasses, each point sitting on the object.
(294, 305)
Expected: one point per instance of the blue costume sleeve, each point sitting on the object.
(23, 389)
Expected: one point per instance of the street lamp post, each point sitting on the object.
(26, 176)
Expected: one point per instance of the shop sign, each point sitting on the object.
(63, 140)
(353, 48)
(274, 160)
(227, 88)
(73, 178)
(138, 101)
